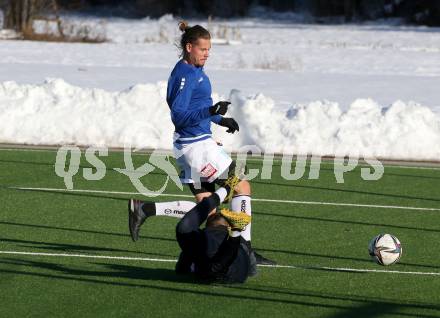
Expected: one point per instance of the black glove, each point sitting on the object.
(230, 123)
(219, 108)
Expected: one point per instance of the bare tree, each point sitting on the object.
(19, 14)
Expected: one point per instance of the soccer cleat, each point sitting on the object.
(237, 220)
(136, 217)
(260, 259)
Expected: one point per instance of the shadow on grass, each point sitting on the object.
(109, 271)
(388, 195)
(312, 255)
(130, 276)
(57, 228)
(65, 193)
(383, 304)
(356, 172)
(82, 166)
(371, 310)
(269, 183)
(403, 175)
(308, 218)
(134, 276)
(363, 260)
(75, 248)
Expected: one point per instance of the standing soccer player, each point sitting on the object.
(202, 161)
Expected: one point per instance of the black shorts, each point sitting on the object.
(202, 187)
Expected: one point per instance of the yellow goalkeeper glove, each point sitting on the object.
(237, 220)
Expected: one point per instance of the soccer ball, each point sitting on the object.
(385, 249)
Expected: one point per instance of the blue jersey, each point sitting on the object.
(189, 98)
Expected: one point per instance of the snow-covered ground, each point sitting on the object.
(367, 90)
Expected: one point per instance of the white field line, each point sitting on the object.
(145, 259)
(253, 199)
(90, 256)
(250, 159)
(356, 270)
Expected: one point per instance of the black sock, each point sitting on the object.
(149, 208)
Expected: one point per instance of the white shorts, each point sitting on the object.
(201, 161)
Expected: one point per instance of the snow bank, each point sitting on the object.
(365, 129)
(58, 113)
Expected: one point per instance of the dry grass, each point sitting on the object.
(32, 36)
(64, 32)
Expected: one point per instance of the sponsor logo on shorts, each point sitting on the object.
(168, 211)
(208, 171)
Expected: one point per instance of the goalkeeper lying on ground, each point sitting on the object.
(216, 253)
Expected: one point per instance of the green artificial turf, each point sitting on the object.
(313, 239)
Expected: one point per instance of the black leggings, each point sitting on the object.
(191, 239)
(197, 215)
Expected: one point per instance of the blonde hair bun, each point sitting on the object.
(183, 26)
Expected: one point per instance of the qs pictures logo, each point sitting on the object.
(69, 158)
